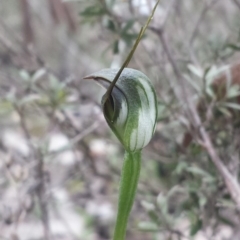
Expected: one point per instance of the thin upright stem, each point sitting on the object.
(130, 55)
(128, 185)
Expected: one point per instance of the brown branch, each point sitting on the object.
(27, 24)
(203, 13)
(42, 196)
(237, 3)
(231, 182)
(56, 10)
(70, 19)
(61, 12)
(38, 175)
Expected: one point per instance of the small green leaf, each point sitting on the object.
(202, 201)
(24, 75)
(180, 168)
(225, 111)
(195, 70)
(29, 99)
(148, 226)
(162, 202)
(195, 227)
(213, 72)
(93, 11)
(210, 92)
(54, 82)
(232, 105)
(38, 74)
(5, 107)
(199, 172)
(233, 91)
(233, 46)
(111, 26)
(148, 206)
(128, 26)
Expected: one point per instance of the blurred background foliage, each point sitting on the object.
(60, 165)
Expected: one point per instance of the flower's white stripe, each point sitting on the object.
(143, 134)
(151, 98)
(147, 113)
(142, 118)
(146, 126)
(123, 113)
(141, 129)
(133, 139)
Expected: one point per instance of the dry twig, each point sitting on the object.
(237, 3)
(39, 175)
(203, 13)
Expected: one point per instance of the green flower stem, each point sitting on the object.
(128, 185)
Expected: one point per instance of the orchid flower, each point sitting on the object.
(130, 109)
